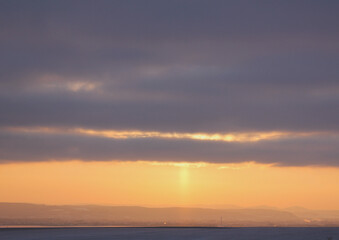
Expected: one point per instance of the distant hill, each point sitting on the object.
(72, 215)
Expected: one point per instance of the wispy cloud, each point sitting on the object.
(134, 134)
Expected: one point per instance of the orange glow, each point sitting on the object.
(169, 184)
(121, 134)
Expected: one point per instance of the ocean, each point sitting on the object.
(167, 233)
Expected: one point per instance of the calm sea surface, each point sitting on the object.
(95, 233)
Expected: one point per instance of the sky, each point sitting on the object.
(170, 103)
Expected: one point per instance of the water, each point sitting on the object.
(95, 233)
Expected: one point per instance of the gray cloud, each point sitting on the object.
(14, 147)
(246, 111)
(183, 66)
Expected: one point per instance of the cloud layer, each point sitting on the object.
(170, 66)
(320, 150)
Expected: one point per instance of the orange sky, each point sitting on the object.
(169, 184)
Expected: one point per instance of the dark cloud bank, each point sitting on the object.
(181, 66)
(320, 151)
